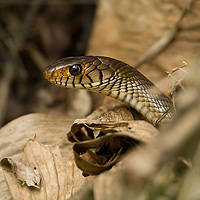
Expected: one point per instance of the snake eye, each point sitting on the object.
(75, 70)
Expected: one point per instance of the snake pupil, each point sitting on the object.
(75, 70)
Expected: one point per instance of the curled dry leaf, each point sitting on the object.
(119, 113)
(113, 110)
(87, 129)
(24, 173)
(100, 143)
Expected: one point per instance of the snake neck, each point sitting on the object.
(144, 98)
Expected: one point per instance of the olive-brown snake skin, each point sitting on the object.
(113, 78)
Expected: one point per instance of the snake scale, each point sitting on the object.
(113, 78)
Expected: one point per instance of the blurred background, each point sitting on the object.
(32, 35)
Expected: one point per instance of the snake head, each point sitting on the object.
(79, 72)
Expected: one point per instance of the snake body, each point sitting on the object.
(113, 78)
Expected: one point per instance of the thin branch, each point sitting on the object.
(167, 38)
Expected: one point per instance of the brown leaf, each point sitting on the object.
(86, 128)
(75, 179)
(55, 181)
(100, 143)
(114, 110)
(24, 173)
(82, 130)
(93, 164)
(105, 135)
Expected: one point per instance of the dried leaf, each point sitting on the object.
(105, 135)
(95, 156)
(104, 142)
(114, 110)
(55, 181)
(24, 173)
(86, 128)
(75, 179)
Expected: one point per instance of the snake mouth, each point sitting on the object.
(53, 76)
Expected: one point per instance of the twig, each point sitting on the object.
(10, 52)
(164, 41)
(177, 81)
(4, 89)
(27, 24)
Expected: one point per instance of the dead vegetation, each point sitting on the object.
(128, 156)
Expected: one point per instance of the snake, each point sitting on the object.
(114, 78)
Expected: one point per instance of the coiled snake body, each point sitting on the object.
(113, 78)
